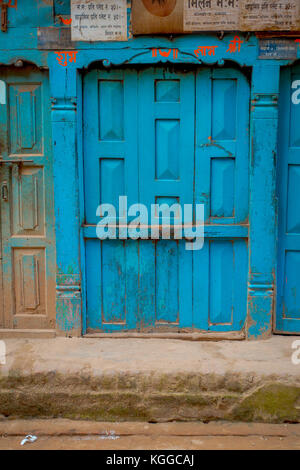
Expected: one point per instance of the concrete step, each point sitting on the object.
(150, 380)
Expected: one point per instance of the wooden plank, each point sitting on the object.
(211, 231)
(203, 336)
(26, 333)
(150, 17)
(54, 38)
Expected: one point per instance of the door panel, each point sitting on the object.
(222, 146)
(110, 139)
(167, 137)
(288, 184)
(166, 174)
(220, 285)
(221, 184)
(27, 215)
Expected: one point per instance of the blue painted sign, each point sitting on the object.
(277, 49)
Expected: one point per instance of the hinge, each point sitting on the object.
(4, 17)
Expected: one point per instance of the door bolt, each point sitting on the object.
(4, 17)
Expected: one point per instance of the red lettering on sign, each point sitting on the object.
(66, 21)
(62, 58)
(235, 45)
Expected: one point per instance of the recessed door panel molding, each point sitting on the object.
(111, 109)
(222, 145)
(28, 194)
(29, 281)
(25, 118)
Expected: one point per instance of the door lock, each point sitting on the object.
(4, 192)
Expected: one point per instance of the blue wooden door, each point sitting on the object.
(163, 136)
(26, 201)
(288, 188)
(221, 184)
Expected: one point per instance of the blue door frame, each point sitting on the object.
(146, 136)
(67, 135)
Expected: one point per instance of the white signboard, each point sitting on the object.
(264, 15)
(241, 15)
(211, 15)
(99, 20)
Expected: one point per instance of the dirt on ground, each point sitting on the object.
(86, 435)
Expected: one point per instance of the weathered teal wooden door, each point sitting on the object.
(164, 136)
(221, 184)
(26, 201)
(288, 185)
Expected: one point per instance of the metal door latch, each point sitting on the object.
(4, 17)
(4, 192)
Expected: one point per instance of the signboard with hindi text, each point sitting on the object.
(241, 15)
(99, 20)
(275, 48)
(269, 15)
(175, 16)
(209, 15)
